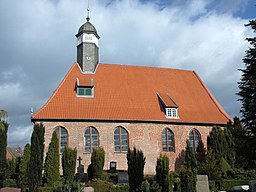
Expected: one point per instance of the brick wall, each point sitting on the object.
(145, 136)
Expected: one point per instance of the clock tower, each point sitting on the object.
(87, 47)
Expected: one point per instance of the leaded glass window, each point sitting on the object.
(167, 140)
(91, 139)
(120, 140)
(62, 137)
(195, 140)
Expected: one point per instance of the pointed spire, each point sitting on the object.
(88, 12)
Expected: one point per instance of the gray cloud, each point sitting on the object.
(38, 46)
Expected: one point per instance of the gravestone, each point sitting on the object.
(122, 178)
(252, 185)
(80, 175)
(112, 168)
(202, 184)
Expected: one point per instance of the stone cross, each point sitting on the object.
(79, 160)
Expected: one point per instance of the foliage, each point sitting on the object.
(23, 168)
(70, 187)
(118, 188)
(190, 159)
(97, 161)
(221, 142)
(3, 115)
(247, 93)
(163, 173)
(9, 183)
(3, 144)
(210, 166)
(69, 164)
(52, 162)
(187, 180)
(136, 162)
(228, 184)
(36, 158)
(225, 168)
(241, 146)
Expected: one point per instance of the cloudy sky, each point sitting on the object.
(38, 45)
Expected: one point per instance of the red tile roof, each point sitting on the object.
(124, 92)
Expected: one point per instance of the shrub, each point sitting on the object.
(67, 187)
(52, 162)
(9, 183)
(188, 180)
(69, 164)
(97, 161)
(136, 162)
(163, 173)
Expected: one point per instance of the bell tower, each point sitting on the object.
(87, 46)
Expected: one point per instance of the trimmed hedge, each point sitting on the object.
(226, 184)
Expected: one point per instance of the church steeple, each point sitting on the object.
(87, 46)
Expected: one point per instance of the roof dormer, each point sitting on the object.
(84, 88)
(168, 105)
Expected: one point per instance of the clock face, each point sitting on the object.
(88, 58)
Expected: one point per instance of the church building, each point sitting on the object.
(119, 106)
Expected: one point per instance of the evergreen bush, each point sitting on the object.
(52, 162)
(136, 162)
(188, 180)
(23, 168)
(36, 158)
(3, 145)
(97, 161)
(69, 164)
(163, 173)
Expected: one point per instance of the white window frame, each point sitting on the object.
(82, 87)
(171, 113)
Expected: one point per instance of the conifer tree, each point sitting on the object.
(52, 162)
(163, 173)
(221, 142)
(36, 158)
(189, 171)
(69, 164)
(190, 159)
(23, 168)
(136, 162)
(247, 93)
(3, 145)
(98, 160)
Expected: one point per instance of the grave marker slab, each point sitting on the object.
(202, 184)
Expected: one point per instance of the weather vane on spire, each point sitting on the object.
(88, 11)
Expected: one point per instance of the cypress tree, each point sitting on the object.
(52, 162)
(163, 173)
(69, 164)
(98, 160)
(3, 144)
(36, 158)
(23, 168)
(189, 171)
(190, 159)
(247, 93)
(136, 162)
(221, 142)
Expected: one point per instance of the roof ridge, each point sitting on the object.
(49, 100)
(213, 98)
(145, 66)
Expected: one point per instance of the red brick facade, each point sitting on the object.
(145, 136)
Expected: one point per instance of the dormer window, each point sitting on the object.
(168, 105)
(84, 88)
(85, 91)
(171, 113)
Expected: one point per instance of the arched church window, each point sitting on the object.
(167, 140)
(120, 139)
(91, 139)
(195, 141)
(62, 137)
